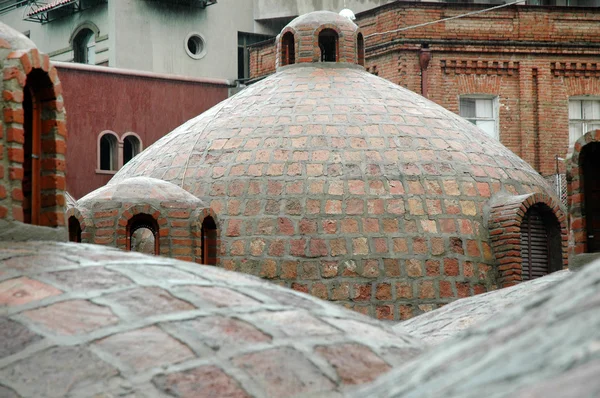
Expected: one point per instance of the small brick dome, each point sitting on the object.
(86, 320)
(320, 36)
(342, 184)
(136, 189)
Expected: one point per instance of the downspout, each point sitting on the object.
(424, 58)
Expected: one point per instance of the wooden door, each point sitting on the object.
(591, 191)
(534, 245)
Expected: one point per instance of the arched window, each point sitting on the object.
(288, 52)
(131, 147)
(84, 47)
(540, 242)
(360, 48)
(142, 234)
(209, 241)
(108, 152)
(74, 229)
(328, 43)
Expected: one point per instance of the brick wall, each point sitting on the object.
(532, 58)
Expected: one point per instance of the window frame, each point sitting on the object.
(495, 112)
(583, 122)
(115, 153)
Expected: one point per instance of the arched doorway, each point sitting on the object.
(209, 241)
(360, 48)
(540, 242)
(74, 229)
(328, 43)
(36, 91)
(590, 163)
(288, 49)
(142, 234)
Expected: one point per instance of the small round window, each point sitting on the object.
(195, 45)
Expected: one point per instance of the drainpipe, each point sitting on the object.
(424, 58)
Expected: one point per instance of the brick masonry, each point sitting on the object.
(533, 58)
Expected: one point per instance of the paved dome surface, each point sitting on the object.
(546, 346)
(85, 320)
(437, 326)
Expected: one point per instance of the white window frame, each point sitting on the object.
(585, 123)
(495, 111)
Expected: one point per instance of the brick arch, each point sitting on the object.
(475, 84)
(18, 67)
(85, 220)
(506, 216)
(279, 45)
(340, 41)
(575, 194)
(161, 220)
(198, 218)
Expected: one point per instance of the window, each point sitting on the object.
(108, 152)
(131, 147)
(288, 54)
(540, 242)
(328, 44)
(142, 234)
(195, 45)
(482, 112)
(584, 116)
(360, 48)
(84, 47)
(209, 241)
(74, 229)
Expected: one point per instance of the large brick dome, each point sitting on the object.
(336, 182)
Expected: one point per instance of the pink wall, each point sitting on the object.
(148, 104)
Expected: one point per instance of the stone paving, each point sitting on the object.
(85, 320)
(546, 346)
(436, 326)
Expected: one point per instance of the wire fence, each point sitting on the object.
(559, 183)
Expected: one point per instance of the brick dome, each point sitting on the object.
(342, 184)
(86, 320)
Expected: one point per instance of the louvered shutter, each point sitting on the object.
(534, 245)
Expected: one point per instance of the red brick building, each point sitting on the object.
(528, 75)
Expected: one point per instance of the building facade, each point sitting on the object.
(198, 38)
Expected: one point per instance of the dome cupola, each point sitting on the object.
(321, 36)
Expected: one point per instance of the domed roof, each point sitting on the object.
(325, 171)
(544, 346)
(13, 40)
(140, 188)
(87, 320)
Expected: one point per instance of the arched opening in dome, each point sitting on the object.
(329, 45)
(590, 166)
(142, 234)
(74, 229)
(288, 49)
(131, 147)
(108, 152)
(540, 242)
(209, 241)
(360, 48)
(37, 91)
